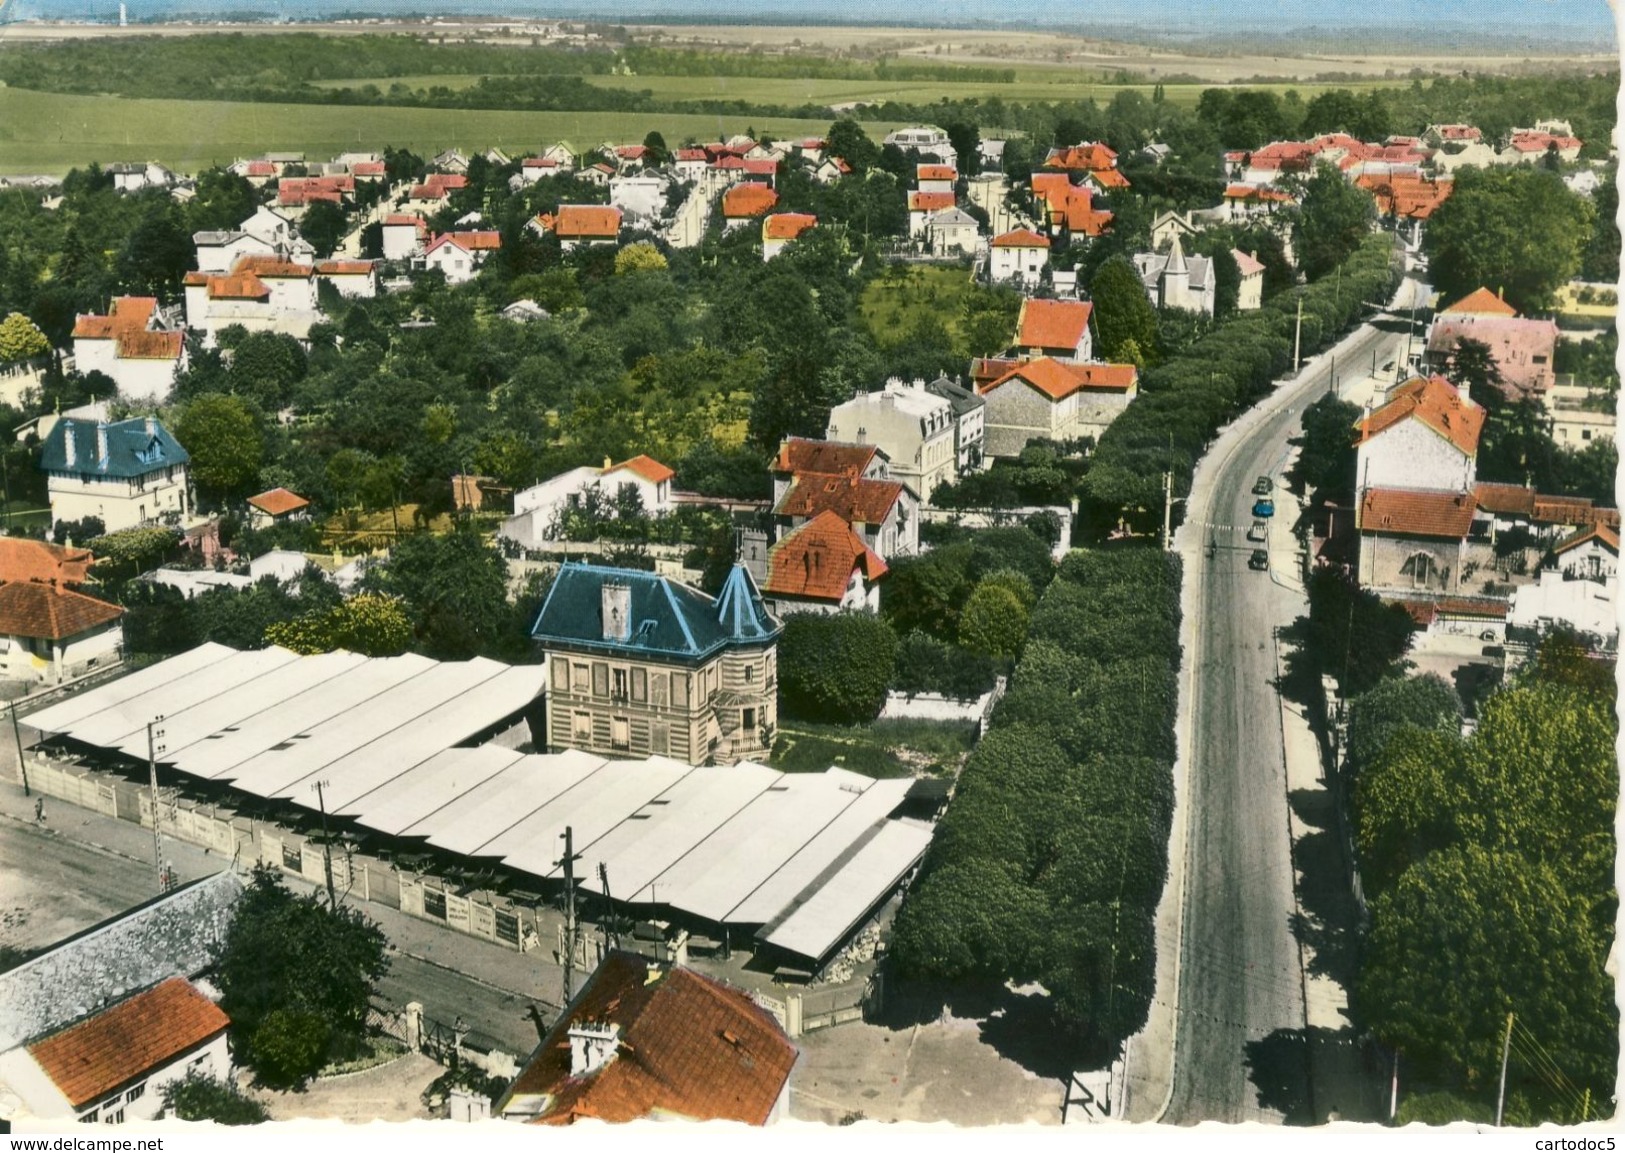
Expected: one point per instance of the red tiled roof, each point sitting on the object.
(260, 168)
(1084, 157)
(295, 197)
(245, 287)
(125, 314)
(1459, 132)
(22, 559)
(368, 168)
(1069, 205)
(1436, 403)
(344, 268)
(728, 163)
(787, 225)
(1046, 374)
(798, 454)
(816, 560)
(469, 241)
(1423, 611)
(851, 498)
(272, 268)
(1602, 534)
(587, 221)
(1482, 302)
(1052, 323)
(688, 1047)
(429, 192)
(121, 1044)
(748, 199)
(1409, 512)
(1020, 238)
(647, 467)
(446, 180)
(1109, 178)
(1508, 499)
(935, 172)
(1246, 262)
(1410, 197)
(32, 609)
(689, 154)
(403, 221)
(765, 166)
(1256, 192)
(1100, 376)
(1541, 141)
(278, 502)
(1576, 510)
(930, 201)
(631, 151)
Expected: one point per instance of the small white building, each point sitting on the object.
(952, 231)
(459, 255)
(1578, 415)
(134, 177)
(913, 426)
(640, 196)
(404, 236)
(130, 346)
(354, 279)
(1174, 280)
(926, 139)
(1018, 257)
(125, 474)
(218, 251)
(1250, 295)
(779, 229)
(935, 177)
(261, 293)
(538, 510)
(277, 231)
(1579, 589)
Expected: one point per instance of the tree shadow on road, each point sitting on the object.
(1327, 918)
(1278, 1067)
(1344, 1086)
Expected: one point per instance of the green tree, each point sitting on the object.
(639, 257)
(455, 587)
(1333, 218)
(1123, 312)
(1326, 460)
(371, 625)
(21, 339)
(994, 622)
(1515, 229)
(835, 668)
(223, 436)
(324, 225)
(1600, 260)
(296, 979)
(199, 1098)
(658, 152)
(1409, 802)
(265, 366)
(847, 139)
(1426, 702)
(156, 253)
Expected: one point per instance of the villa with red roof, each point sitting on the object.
(745, 202)
(277, 506)
(261, 293)
(824, 566)
(1069, 209)
(1055, 328)
(405, 236)
(1524, 349)
(1018, 257)
(935, 177)
(923, 205)
(780, 228)
(539, 511)
(459, 255)
(1049, 399)
(853, 481)
(131, 346)
(579, 225)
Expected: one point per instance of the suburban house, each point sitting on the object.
(640, 196)
(218, 251)
(459, 255)
(780, 228)
(1168, 225)
(854, 482)
(969, 413)
(1250, 293)
(130, 346)
(1174, 280)
(261, 293)
(1018, 257)
(277, 230)
(1055, 328)
(646, 1039)
(1087, 157)
(1527, 145)
(935, 177)
(1579, 415)
(277, 506)
(404, 236)
(1046, 399)
(135, 177)
(825, 567)
(643, 665)
(830, 169)
(112, 1066)
(296, 193)
(952, 230)
(354, 279)
(1577, 588)
(1246, 201)
(1068, 209)
(1523, 349)
(125, 474)
(581, 224)
(1407, 200)
(745, 202)
(49, 631)
(913, 427)
(435, 191)
(926, 139)
(922, 206)
(539, 509)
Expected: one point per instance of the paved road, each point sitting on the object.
(1241, 998)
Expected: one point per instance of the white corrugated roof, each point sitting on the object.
(503, 801)
(824, 917)
(404, 800)
(63, 717)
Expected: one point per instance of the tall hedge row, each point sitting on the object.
(1051, 858)
(1184, 401)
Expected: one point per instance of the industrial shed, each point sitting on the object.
(801, 859)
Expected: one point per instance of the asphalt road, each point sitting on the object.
(1238, 1054)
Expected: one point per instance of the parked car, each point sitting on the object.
(1263, 486)
(1264, 507)
(1259, 531)
(1259, 560)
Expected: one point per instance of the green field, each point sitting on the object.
(891, 305)
(48, 133)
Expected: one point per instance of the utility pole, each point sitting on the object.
(1393, 1089)
(569, 863)
(609, 906)
(22, 761)
(1167, 509)
(1501, 1095)
(1297, 339)
(327, 849)
(154, 747)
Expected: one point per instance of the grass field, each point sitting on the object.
(892, 307)
(895, 748)
(50, 133)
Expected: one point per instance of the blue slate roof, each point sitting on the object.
(667, 618)
(135, 448)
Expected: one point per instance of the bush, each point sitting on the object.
(927, 665)
(835, 668)
(200, 1098)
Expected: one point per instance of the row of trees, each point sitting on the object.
(1489, 861)
(1050, 861)
(1185, 400)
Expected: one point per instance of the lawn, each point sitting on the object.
(891, 748)
(893, 303)
(50, 133)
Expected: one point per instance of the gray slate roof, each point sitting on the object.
(133, 448)
(669, 619)
(168, 936)
(962, 399)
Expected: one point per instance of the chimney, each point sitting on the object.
(919, 384)
(101, 440)
(617, 609)
(152, 426)
(1465, 391)
(592, 1046)
(607, 464)
(68, 447)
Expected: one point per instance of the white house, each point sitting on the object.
(458, 255)
(970, 428)
(911, 425)
(1018, 257)
(261, 293)
(1250, 296)
(924, 205)
(1579, 589)
(640, 196)
(354, 279)
(49, 631)
(953, 230)
(824, 566)
(927, 139)
(404, 236)
(935, 177)
(134, 177)
(1052, 400)
(129, 346)
(128, 473)
(1174, 280)
(218, 251)
(852, 481)
(579, 225)
(539, 509)
(276, 230)
(1424, 436)
(780, 228)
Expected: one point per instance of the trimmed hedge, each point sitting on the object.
(1051, 858)
(1185, 401)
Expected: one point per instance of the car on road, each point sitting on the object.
(1259, 560)
(1264, 507)
(1259, 531)
(1263, 486)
